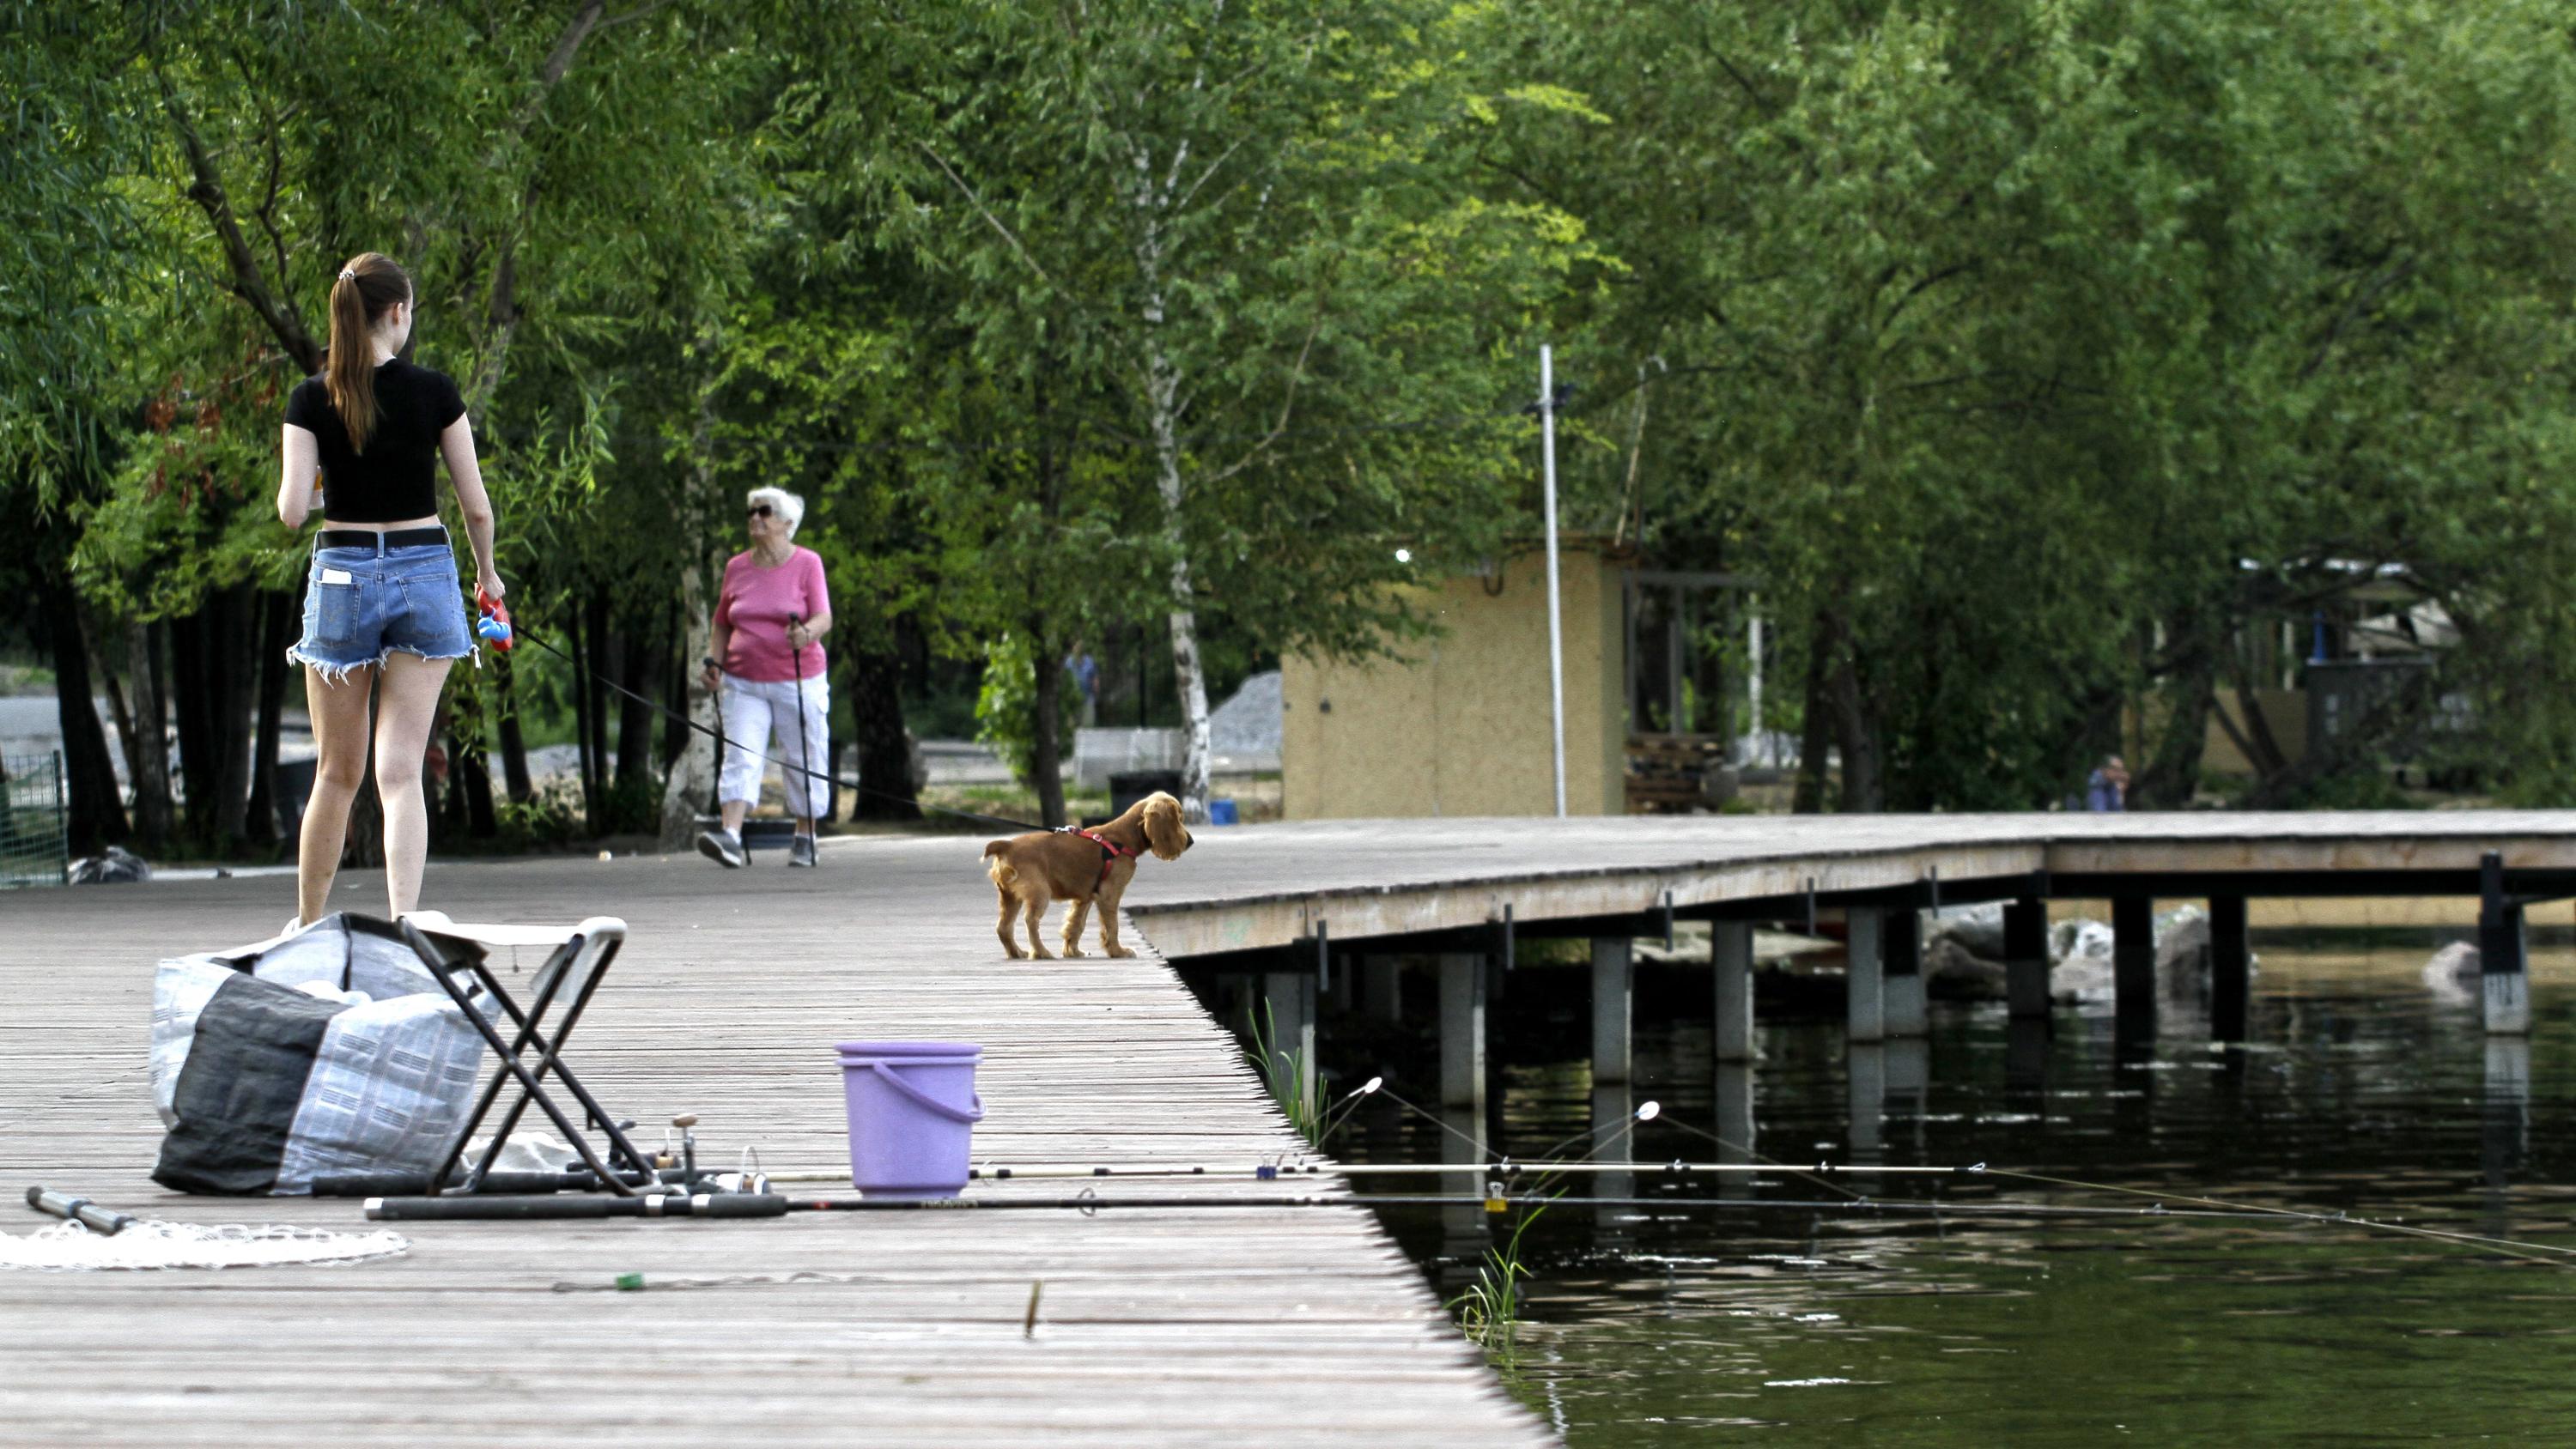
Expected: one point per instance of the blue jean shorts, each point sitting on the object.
(361, 604)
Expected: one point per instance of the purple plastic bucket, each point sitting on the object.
(913, 1111)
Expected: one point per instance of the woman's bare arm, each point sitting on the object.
(456, 445)
(296, 494)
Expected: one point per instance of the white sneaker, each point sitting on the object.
(721, 846)
(800, 850)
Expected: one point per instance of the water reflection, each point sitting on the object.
(2356, 1091)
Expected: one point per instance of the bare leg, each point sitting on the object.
(410, 706)
(340, 766)
(733, 813)
(1073, 928)
(1008, 910)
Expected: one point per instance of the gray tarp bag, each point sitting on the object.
(331, 1049)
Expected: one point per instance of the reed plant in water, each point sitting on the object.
(1489, 1312)
(1291, 1084)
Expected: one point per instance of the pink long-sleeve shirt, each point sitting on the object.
(757, 604)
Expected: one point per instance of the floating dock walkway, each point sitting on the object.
(1275, 1327)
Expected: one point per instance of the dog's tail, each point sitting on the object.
(997, 864)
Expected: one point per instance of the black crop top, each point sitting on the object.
(397, 477)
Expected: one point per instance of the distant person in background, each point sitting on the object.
(1086, 682)
(2107, 788)
(765, 665)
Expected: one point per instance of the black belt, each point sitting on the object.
(369, 538)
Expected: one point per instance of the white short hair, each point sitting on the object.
(790, 508)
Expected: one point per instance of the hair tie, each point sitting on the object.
(347, 275)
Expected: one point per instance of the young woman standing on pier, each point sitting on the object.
(383, 611)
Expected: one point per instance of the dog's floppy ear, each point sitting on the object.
(1163, 826)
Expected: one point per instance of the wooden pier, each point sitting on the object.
(1226, 1326)
(1269, 1326)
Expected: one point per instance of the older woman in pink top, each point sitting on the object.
(766, 665)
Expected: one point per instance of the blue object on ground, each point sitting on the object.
(1221, 812)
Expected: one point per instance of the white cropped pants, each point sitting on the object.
(799, 712)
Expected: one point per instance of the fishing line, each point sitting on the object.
(2510, 1247)
(811, 774)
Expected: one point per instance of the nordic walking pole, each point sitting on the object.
(804, 733)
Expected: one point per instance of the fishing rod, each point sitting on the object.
(488, 1208)
(80, 1210)
(1271, 1171)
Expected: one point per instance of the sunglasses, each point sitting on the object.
(760, 510)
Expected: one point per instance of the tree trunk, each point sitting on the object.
(884, 747)
(688, 791)
(236, 634)
(97, 816)
(636, 667)
(192, 708)
(1816, 724)
(585, 626)
(2172, 772)
(514, 743)
(1855, 732)
(474, 780)
(1162, 399)
(151, 739)
(282, 615)
(1047, 754)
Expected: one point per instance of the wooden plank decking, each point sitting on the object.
(1233, 1326)
(1222, 1326)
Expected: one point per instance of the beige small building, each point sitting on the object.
(1458, 724)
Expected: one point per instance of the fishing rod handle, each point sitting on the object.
(478, 1207)
(80, 1210)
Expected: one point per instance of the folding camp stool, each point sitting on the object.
(577, 960)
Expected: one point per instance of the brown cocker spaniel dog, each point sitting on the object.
(1089, 868)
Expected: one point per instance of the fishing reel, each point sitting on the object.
(492, 624)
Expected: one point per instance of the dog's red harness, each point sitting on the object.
(1110, 850)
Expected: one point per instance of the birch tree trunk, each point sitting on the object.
(691, 784)
(151, 768)
(1162, 400)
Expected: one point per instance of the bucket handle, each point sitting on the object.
(924, 1100)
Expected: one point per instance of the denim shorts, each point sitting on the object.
(361, 604)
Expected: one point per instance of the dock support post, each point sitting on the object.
(1612, 1105)
(1291, 1027)
(1901, 988)
(2231, 968)
(2026, 1064)
(1868, 1104)
(1385, 988)
(1862, 945)
(2026, 958)
(2133, 966)
(1730, 951)
(2502, 946)
(1462, 1030)
(1345, 989)
(1735, 1126)
(1611, 980)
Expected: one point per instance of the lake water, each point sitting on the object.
(2364, 1092)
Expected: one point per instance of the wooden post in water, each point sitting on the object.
(2502, 946)
(1730, 952)
(2133, 966)
(1290, 996)
(1735, 1126)
(1868, 1102)
(2231, 968)
(2026, 958)
(1901, 987)
(1384, 987)
(1462, 1029)
(1863, 965)
(1611, 980)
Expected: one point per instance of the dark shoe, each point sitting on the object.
(800, 850)
(721, 846)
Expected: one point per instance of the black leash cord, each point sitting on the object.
(520, 631)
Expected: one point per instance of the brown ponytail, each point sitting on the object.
(368, 286)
